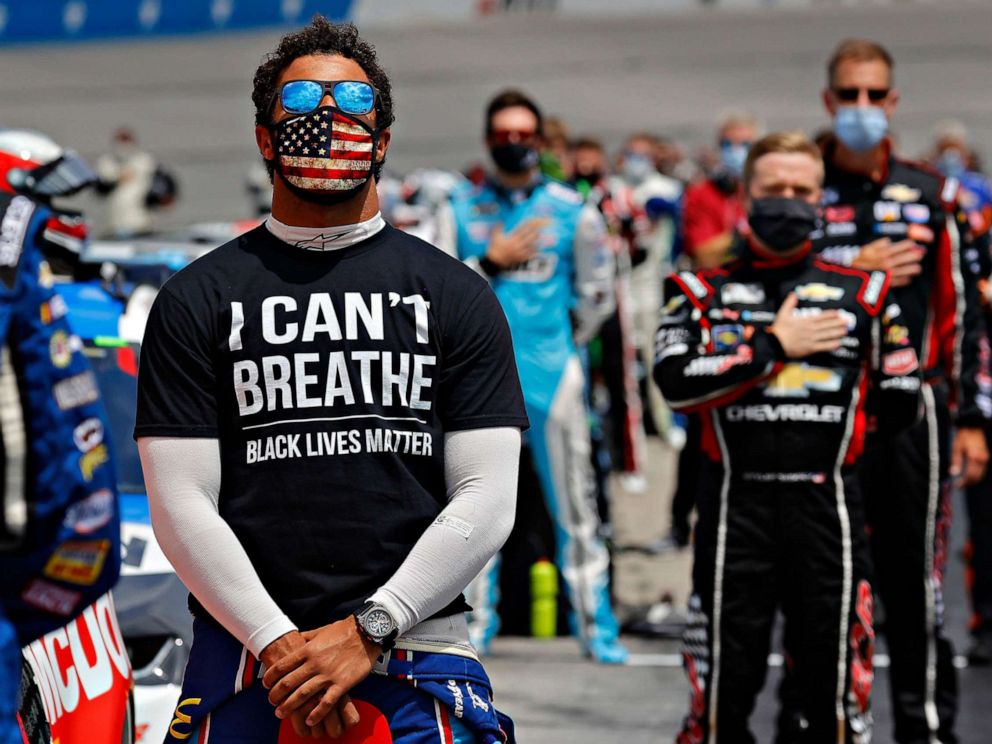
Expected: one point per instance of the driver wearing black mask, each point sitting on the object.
(790, 361)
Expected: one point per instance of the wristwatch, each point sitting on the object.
(377, 625)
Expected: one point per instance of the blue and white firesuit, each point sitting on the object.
(552, 302)
(61, 529)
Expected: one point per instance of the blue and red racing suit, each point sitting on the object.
(415, 695)
(61, 531)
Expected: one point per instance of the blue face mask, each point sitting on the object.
(637, 167)
(733, 157)
(951, 164)
(860, 128)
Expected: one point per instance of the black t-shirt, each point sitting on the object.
(330, 379)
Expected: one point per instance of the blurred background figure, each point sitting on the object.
(258, 186)
(649, 203)
(953, 156)
(557, 155)
(126, 176)
(713, 207)
(589, 164)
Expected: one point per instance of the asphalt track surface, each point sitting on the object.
(189, 101)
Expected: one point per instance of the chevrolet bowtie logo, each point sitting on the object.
(319, 242)
(797, 380)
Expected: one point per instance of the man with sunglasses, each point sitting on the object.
(329, 425)
(545, 253)
(881, 212)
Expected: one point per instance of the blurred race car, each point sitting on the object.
(76, 683)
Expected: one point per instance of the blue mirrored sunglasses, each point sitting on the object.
(351, 96)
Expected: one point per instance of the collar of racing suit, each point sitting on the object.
(329, 238)
(829, 146)
(517, 194)
(761, 259)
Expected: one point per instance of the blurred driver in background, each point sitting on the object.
(885, 213)
(546, 254)
(714, 207)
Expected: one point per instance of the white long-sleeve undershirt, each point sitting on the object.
(183, 477)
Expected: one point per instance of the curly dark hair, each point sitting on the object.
(321, 37)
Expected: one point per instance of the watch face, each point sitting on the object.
(378, 623)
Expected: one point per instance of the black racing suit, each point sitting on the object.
(905, 477)
(780, 517)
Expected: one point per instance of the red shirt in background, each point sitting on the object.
(708, 211)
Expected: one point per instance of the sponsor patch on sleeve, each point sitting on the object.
(920, 233)
(78, 562)
(901, 362)
(819, 292)
(734, 293)
(51, 598)
(91, 513)
(75, 391)
(900, 192)
(460, 526)
(93, 459)
(874, 289)
(727, 337)
(13, 229)
(694, 284)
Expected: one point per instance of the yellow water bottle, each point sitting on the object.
(543, 599)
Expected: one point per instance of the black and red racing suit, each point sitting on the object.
(905, 476)
(780, 517)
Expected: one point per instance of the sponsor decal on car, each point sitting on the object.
(83, 676)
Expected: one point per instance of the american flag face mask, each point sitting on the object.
(326, 155)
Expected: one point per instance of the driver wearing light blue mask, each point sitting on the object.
(861, 99)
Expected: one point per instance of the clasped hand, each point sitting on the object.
(309, 674)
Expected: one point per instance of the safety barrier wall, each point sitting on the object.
(68, 20)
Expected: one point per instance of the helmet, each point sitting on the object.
(35, 165)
